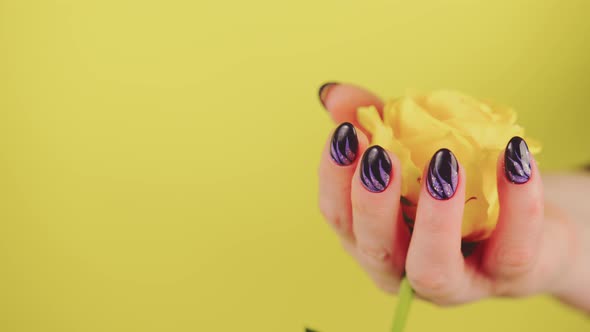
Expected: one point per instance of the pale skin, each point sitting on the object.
(541, 244)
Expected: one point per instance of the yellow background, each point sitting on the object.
(158, 158)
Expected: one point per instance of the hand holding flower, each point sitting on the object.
(367, 194)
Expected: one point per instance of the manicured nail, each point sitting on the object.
(443, 175)
(517, 161)
(375, 169)
(324, 90)
(344, 145)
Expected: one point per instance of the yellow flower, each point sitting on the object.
(417, 125)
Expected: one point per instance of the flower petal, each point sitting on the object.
(412, 120)
(485, 135)
(444, 105)
(535, 146)
(415, 126)
(423, 147)
(501, 114)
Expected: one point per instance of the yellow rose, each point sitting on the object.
(417, 125)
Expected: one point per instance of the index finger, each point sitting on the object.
(343, 100)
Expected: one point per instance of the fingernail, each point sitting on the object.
(517, 161)
(324, 90)
(344, 145)
(443, 175)
(375, 169)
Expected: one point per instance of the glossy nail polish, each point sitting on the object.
(517, 161)
(324, 90)
(375, 169)
(344, 145)
(443, 175)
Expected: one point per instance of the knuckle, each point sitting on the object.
(386, 286)
(377, 259)
(385, 282)
(339, 221)
(376, 255)
(431, 282)
(503, 289)
(445, 302)
(515, 260)
(513, 289)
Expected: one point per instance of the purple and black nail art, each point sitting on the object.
(344, 145)
(443, 175)
(324, 90)
(375, 169)
(517, 161)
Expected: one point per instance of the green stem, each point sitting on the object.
(405, 296)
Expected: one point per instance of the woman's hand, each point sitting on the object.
(534, 249)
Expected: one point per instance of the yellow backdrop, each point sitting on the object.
(158, 158)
